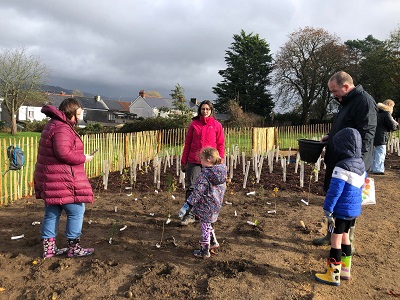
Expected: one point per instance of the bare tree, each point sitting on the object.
(303, 67)
(77, 93)
(20, 75)
(154, 94)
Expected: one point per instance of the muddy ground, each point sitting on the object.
(273, 260)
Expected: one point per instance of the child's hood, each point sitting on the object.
(216, 174)
(347, 143)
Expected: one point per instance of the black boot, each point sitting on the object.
(326, 240)
(188, 219)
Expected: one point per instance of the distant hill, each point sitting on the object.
(57, 90)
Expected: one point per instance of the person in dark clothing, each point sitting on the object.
(357, 110)
(386, 123)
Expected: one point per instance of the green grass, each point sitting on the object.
(6, 135)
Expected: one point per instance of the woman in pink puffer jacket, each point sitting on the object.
(204, 131)
(60, 178)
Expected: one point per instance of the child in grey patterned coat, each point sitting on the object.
(205, 202)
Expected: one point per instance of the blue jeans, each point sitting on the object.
(378, 164)
(52, 215)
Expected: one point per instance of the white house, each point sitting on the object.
(148, 107)
(30, 113)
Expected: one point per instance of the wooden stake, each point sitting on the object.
(246, 174)
(301, 173)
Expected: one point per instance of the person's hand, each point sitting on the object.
(184, 210)
(183, 168)
(330, 218)
(88, 158)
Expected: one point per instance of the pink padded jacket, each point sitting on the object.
(60, 177)
(203, 132)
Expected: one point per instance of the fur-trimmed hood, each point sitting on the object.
(385, 107)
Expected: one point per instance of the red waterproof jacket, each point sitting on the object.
(60, 177)
(203, 132)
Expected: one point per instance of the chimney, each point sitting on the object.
(194, 101)
(142, 94)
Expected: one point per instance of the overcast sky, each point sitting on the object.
(116, 48)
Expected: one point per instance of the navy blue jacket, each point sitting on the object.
(344, 195)
(358, 110)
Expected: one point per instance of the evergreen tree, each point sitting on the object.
(183, 113)
(247, 76)
(374, 68)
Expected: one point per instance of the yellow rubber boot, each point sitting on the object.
(332, 275)
(346, 267)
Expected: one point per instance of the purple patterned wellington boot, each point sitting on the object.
(50, 249)
(75, 250)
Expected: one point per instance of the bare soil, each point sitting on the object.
(273, 260)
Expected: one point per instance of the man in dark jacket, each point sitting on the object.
(386, 123)
(357, 110)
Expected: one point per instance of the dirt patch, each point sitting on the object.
(273, 260)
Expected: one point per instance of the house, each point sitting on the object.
(24, 113)
(95, 110)
(148, 107)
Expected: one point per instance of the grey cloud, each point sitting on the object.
(116, 48)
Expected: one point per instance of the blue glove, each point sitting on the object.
(331, 220)
(184, 210)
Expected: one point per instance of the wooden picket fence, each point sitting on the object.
(118, 151)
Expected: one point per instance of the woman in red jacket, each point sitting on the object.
(204, 131)
(60, 178)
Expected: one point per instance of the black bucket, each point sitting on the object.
(310, 150)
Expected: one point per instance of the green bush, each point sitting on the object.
(157, 123)
(92, 128)
(35, 126)
(2, 125)
(287, 119)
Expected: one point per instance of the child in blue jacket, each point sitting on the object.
(205, 201)
(342, 203)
